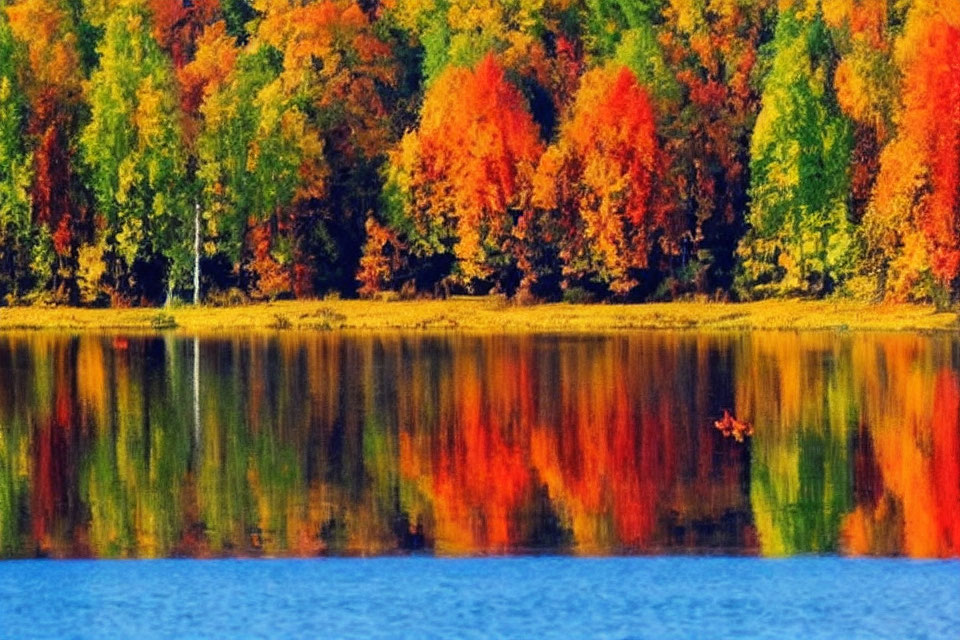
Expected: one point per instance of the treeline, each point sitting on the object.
(544, 149)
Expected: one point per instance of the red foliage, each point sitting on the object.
(932, 102)
(303, 275)
(51, 164)
(177, 25)
(273, 279)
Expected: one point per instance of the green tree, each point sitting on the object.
(237, 13)
(15, 170)
(801, 239)
(253, 152)
(608, 23)
(134, 149)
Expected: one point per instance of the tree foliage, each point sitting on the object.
(597, 182)
(913, 222)
(649, 149)
(133, 147)
(461, 180)
(801, 237)
(16, 233)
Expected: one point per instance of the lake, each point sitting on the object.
(530, 485)
(424, 598)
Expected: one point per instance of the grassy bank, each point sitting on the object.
(491, 314)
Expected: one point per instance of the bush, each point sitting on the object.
(327, 319)
(281, 322)
(578, 295)
(232, 297)
(163, 321)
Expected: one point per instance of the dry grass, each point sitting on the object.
(490, 314)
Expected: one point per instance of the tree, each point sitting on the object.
(214, 57)
(177, 25)
(713, 49)
(868, 89)
(801, 239)
(598, 183)
(458, 183)
(213, 61)
(913, 222)
(53, 89)
(462, 32)
(15, 170)
(340, 66)
(608, 23)
(133, 147)
(257, 154)
(236, 15)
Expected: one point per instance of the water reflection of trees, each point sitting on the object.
(321, 443)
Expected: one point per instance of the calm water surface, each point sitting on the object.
(303, 445)
(422, 598)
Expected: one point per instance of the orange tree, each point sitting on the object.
(458, 184)
(913, 223)
(595, 191)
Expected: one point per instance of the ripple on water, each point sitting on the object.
(420, 597)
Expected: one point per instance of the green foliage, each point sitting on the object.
(237, 13)
(801, 239)
(639, 51)
(133, 145)
(88, 35)
(15, 170)
(608, 22)
(251, 149)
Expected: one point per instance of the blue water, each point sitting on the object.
(421, 597)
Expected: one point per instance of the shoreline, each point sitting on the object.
(490, 314)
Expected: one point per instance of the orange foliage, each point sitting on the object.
(273, 279)
(51, 45)
(599, 178)
(478, 145)
(932, 114)
(331, 51)
(381, 258)
(916, 215)
(866, 88)
(216, 56)
(865, 19)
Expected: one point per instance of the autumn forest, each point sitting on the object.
(582, 150)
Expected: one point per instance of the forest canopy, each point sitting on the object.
(541, 149)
